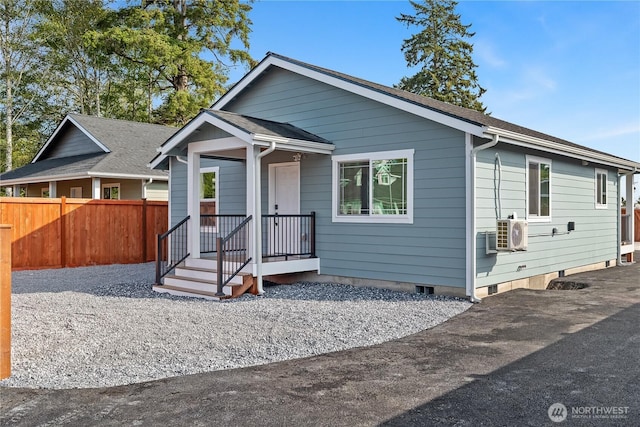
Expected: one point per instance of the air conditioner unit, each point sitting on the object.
(511, 235)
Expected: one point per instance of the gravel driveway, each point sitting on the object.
(104, 326)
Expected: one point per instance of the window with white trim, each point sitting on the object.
(601, 189)
(111, 191)
(208, 196)
(373, 187)
(538, 189)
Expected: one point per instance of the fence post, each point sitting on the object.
(5, 301)
(63, 232)
(144, 230)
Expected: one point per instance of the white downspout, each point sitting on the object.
(144, 187)
(258, 214)
(471, 274)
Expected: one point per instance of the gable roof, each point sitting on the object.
(252, 130)
(463, 119)
(123, 150)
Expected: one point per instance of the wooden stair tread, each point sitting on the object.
(206, 282)
(208, 270)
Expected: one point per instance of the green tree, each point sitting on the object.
(443, 53)
(163, 46)
(19, 65)
(79, 74)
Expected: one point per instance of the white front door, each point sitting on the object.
(284, 199)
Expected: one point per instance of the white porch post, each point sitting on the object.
(95, 185)
(193, 202)
(52, 189)
(251, 197)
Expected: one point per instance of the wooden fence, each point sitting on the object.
(56, 233)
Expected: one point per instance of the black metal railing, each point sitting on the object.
(214, 226)
(172, 249)
(285, 236)
(232, 253)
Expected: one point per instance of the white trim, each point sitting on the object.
(95, 185)
(366, 92)
(537, 160)
(127, 176)
(604, 205)
(110, 185)
(193, 202)
(470, 237)
(57, 130)
(371, 156)
(520, 140)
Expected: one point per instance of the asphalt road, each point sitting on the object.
(511, 360)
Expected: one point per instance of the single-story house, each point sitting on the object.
(301, 169)
(94, 158)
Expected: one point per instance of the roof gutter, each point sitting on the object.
(577, 152)
(471, 237)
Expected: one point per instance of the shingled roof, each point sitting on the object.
(123, 148)
(463, 115)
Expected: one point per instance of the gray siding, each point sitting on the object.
(177, 192)
(572, 199)
(71, 142)
(431, 250)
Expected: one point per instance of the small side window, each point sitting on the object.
(601, 189)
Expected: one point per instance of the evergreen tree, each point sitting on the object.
(443, 53)
(162, 45)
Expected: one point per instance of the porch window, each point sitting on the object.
(111, 191)
(44, 192)
(373, 187)
(538, 189)
(208, 196)
(601, 189)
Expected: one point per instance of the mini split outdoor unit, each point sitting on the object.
(511, 235)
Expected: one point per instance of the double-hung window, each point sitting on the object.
(373, 187)
(601, 189)
(538, 189)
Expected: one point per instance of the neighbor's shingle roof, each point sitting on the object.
(131, 144)
(265, 127)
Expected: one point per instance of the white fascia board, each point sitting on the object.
(127, 176)
(514, 138)
(353, 88)
(34, 180)
(60, 126)
(294, 144)
(189, 128)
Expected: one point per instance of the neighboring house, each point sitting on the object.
(94, 158)
(406, 192)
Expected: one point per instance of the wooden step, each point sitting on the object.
(187, 292)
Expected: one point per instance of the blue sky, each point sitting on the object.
(569, 69)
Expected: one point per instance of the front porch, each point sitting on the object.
(225, 266)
